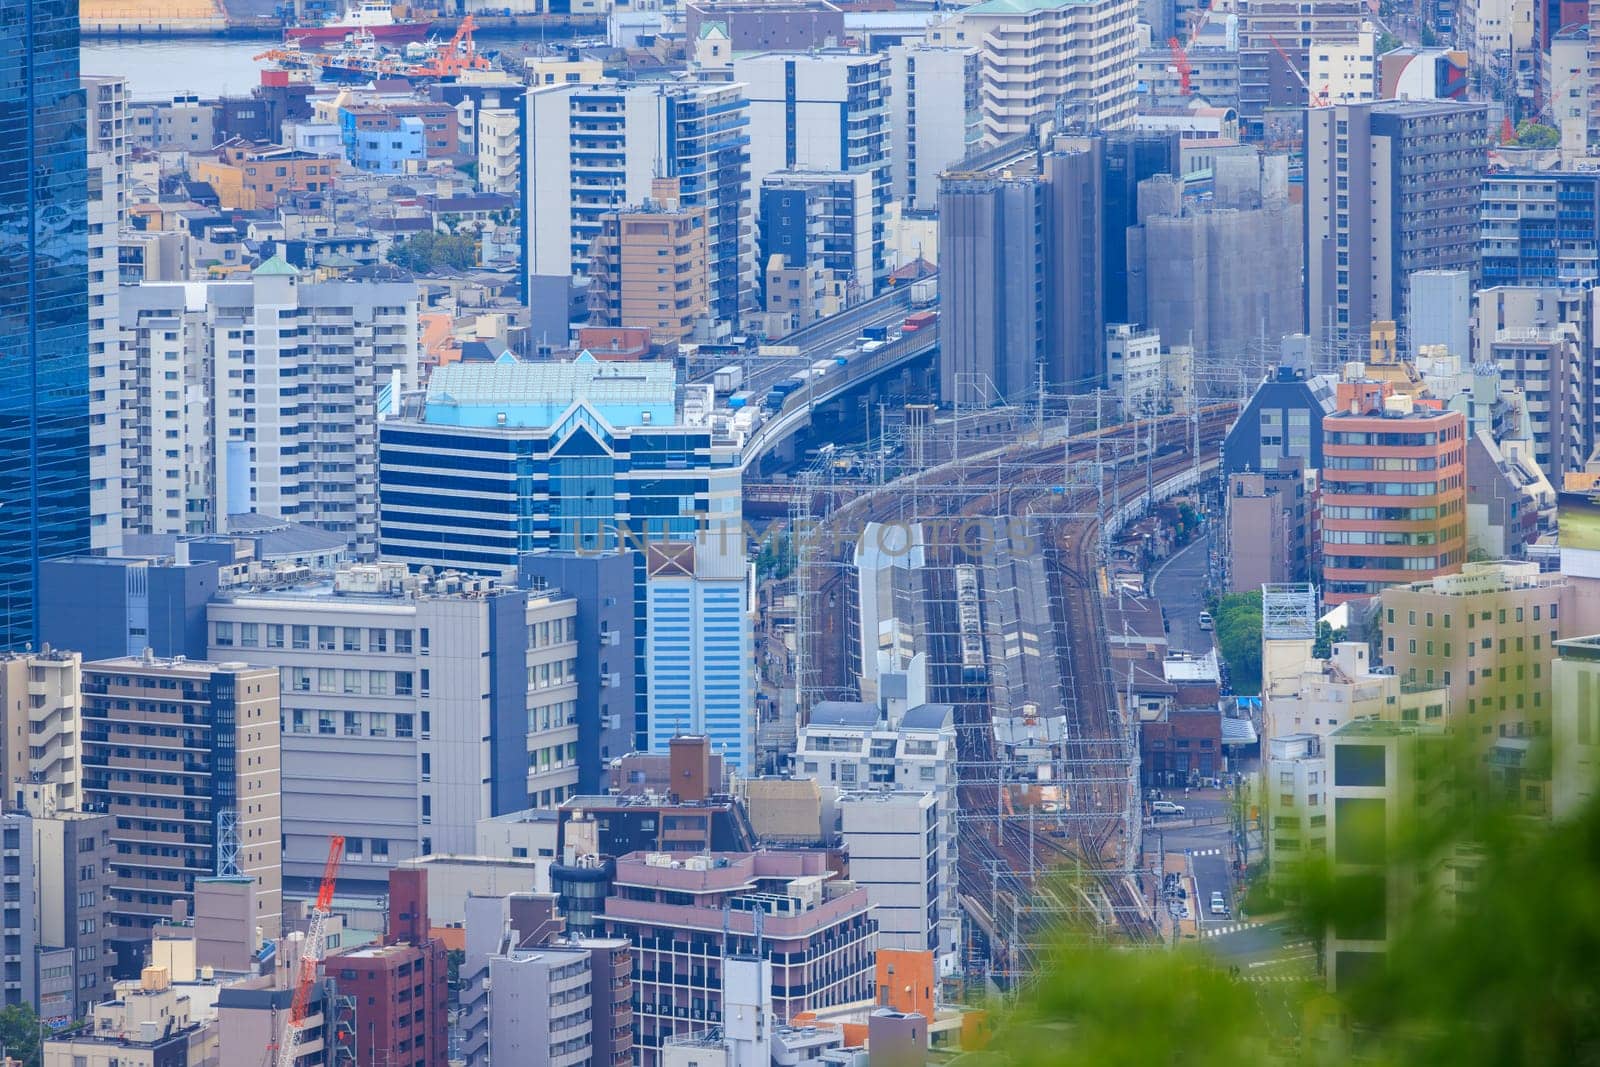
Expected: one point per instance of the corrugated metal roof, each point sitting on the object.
(477, 393)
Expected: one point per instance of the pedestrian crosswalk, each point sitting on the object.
(1231, 928)
(1205, 852)
(1276, 978)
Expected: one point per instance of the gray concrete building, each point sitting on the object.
(906, 864)
(1020, 244)
(72, 873)
(1391, 188)
(1219, 273)
(412, 708)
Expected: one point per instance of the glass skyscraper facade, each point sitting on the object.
(44, 298)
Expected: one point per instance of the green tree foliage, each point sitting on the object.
(1531, 134)
(1327, 637)
(776, 558)
(428, 252)
(1238, 622)
(19, 1034)
(1502, 971)
(1426, 37)
(1388, 42)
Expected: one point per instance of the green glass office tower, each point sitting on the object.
(44, 298)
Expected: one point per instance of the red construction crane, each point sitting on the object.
(311, 953)
(1181, 60)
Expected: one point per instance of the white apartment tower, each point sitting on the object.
(260, 396)
(935, 117)
(1036, 54)
(106, 132)
(821, 110)
(590, 149)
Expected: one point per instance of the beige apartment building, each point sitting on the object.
(1489, 636)
(1034, 53)
(648, 267)
(1575, 741)
(185, 756)
(39, 694)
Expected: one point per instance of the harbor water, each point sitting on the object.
(160, 69)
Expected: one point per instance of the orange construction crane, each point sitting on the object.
(311, 953)
(1181, 60)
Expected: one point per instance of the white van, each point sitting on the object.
(1206, 622)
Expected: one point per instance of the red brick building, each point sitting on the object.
(399, 987)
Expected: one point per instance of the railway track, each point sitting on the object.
(996, 853)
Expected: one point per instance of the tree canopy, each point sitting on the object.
(1238, 622)
(428, 252)
(1501, 970)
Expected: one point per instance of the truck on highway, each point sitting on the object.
(924, 291)
(875, 333)
(781, 391)
(822, 366)
(739, 400)
(920, 320)
(727, 379)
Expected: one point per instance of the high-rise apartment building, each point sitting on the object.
(261, 396)
(507, 458)
(184, 756)
(1394, 491)
(40, 707)
(686, 916)
(1391, 188)
(1539, 229)
(647, 269)
(588, 150)
(827, 219)
(935, 117)
(44, 305)
(1044, 58)
(106, 127)
(1277, 34)
(412, 707)
(826, 109)
(72, 857)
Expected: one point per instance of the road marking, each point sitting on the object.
(1231, 928)
(1206, 852)
(1277, 977)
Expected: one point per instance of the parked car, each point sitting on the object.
(1219, 904)
(1206, 622)
(1166, 807)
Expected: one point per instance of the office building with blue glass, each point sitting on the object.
(501, 459)
(44, 304)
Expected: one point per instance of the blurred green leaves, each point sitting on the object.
(1493, 928)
